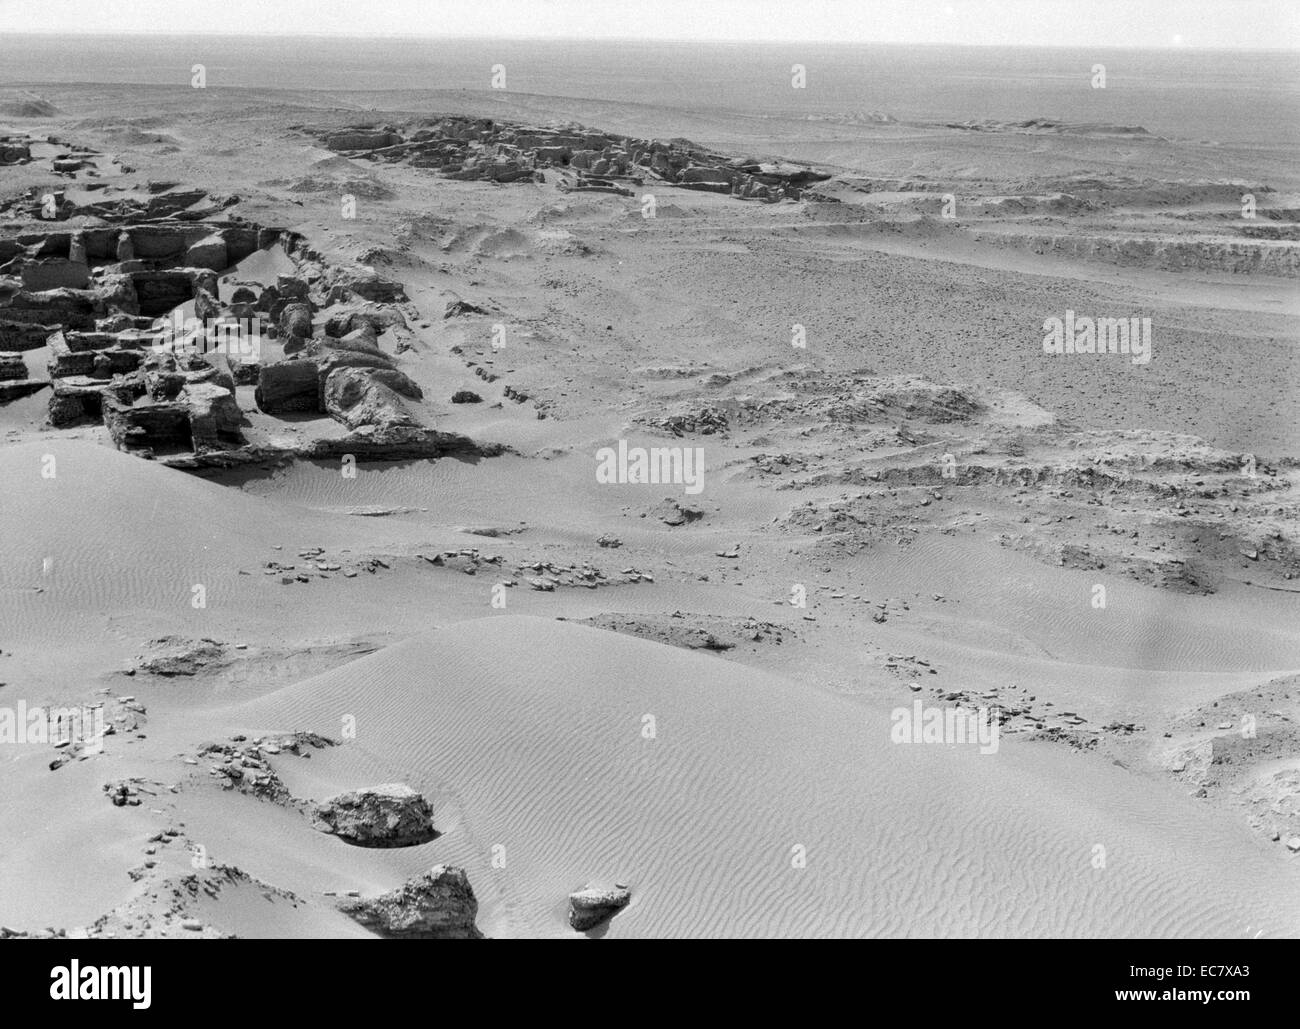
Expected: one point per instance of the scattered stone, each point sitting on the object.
(389, 815)
(671, 512)
(439, 905)
(591, 906)
(460, 307)
(171, 656)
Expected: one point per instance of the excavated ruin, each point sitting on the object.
(150, 324)
(585, 159)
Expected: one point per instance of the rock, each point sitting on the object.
(176, 655)
(466, 396)
(362, 341)
(460, 307)
(670, 512)
(348, 353)
(591, 906)
(1293, 844)
(266, 299)
(390, 815)
(291, 286)
(363, 337)
(125, 247)
(246, 313)
(209, 252)
(295, 321)
(288, 386)
(439, 905)
(212, 367)
(123, 792)
(398, 382)
(215, 418)
(245, 373)
(368, 285)
(357, 397)
(116, 294)
(207, 308)
(377, 317)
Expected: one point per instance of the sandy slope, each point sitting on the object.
(530, 735)
(527, 734)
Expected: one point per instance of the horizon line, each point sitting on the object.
(149, 33)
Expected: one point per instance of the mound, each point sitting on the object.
(735, 803)
(34, 108)
(133, 536)
(336, 164)
(130, 525)
(503, 243)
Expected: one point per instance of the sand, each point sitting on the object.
(768, 798)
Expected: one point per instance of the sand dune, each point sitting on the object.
(531, 732)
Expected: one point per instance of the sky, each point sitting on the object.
(1248, 24)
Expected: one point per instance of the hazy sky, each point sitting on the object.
(1197, 23)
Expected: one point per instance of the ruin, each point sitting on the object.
(14, 150)
(586, 160)
(149, 323)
